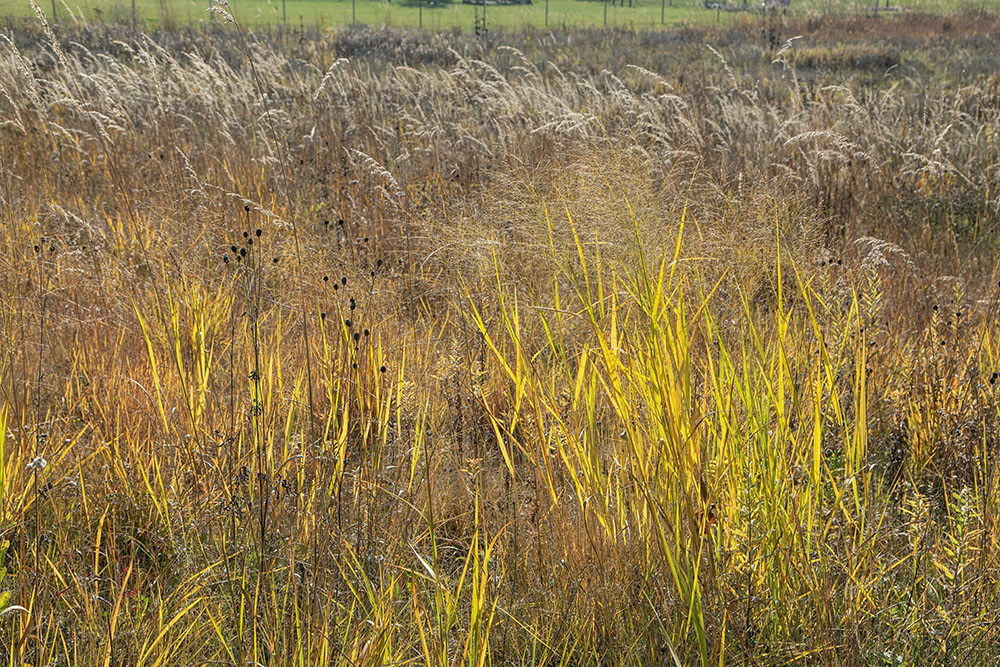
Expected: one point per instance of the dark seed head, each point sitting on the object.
(259, 232)
(383, 369)
(348, 323)
(356, 336)
(326, 278)
(322, 316)
(247, 208)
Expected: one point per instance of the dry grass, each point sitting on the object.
(383, 347)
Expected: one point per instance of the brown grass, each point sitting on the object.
(592, 347)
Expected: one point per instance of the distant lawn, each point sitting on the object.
(569, 13)
(561, 13)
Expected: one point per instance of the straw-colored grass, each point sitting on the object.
(397, 348)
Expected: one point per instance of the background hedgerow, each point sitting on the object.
(595, 347)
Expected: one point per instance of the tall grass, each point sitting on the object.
(384, 348)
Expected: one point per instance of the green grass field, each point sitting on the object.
(438, 15)
(569, 13)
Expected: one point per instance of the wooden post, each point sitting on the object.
(547, 12)
(420, 11)
(354, 12)
(663, 11)
(605, 13)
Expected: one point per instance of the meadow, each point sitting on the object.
(263, 15)
(580, 347)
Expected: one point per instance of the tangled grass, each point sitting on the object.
(374, 347)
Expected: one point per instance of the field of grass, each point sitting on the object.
(572, 13)
(588, 347)
(562, 14)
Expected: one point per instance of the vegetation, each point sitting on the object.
(261, 15)
(579, 348)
